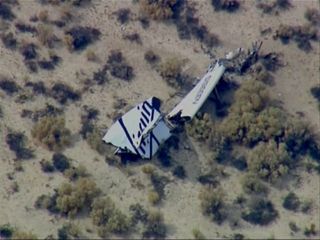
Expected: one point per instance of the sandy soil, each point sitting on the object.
(181, 207)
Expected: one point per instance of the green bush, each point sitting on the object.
(94, 139)
(269, 161)
(213, 203)
(74, 173)
(51, 132)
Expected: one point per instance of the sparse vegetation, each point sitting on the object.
(313, 16)
(29, 51)
(63, 93)
(6, 12)
(302, 35)
(225, 5)
(9, 40)
(60, 162)
(71, 199)
(154, 226)
(51, 132)
(133, 37)
(94, 140)
(69, 231)
(153, 197)
(252, 185)
(108, 218)
(118, 66)
(273, 7)
(78, 38)
(291, 202)
(24, 235)
(8, 86)
(171, 71)
(151, 57)
(6, 231)
(197, 234)
(213, 203)
(260, 212)
(123, 15)
(16, 142)
(158, 10)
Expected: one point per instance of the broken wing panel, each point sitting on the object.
(128, 131)
(191, 103)
(152, 141)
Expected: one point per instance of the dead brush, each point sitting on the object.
(51, 132)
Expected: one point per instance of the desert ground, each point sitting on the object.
(127, 184)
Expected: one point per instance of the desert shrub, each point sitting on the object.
(252, 185)
(8, 86)
(158, 10)
(16, 142)
(47, 202)
(261, 212)
(200, 127)
(313, 16)
(151, 57)
(110, 219)
(118, 66)
(28, 50)
(225, 5)
(179, 172)
(298, 138)
(87, 119)
(273, 6)
(153, 197)
(306, 206)
(22, 27)
(31, 65)
(300, 34)
(250, 119)
(6, 12)
(133, 37)
(197, 234)
(310, 230)
(46, 35)
(37, 87)
(315, 91)
(269, 161)
(155, 226)
(62, 93)
(9, 40)
(1, 112)
(123, 15)
(158, 182)
(101, 76)
(271, 61)
(81, 37)
(48, 111)
(291, 202)
(91, 55)
(293, 227)
(60, 162)
(212, 203)
(138, 213)
(6, 231)
(46, 166)
(171, 71)
(94, 139)
(71, 199)
(74, 173)
(51, 132)
(23, 235)
(69, 231)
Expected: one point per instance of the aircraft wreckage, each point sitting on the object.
(143, 129)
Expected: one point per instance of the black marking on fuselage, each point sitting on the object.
(128, 135)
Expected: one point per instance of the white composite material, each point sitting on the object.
(139, 131)
(191, 103)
